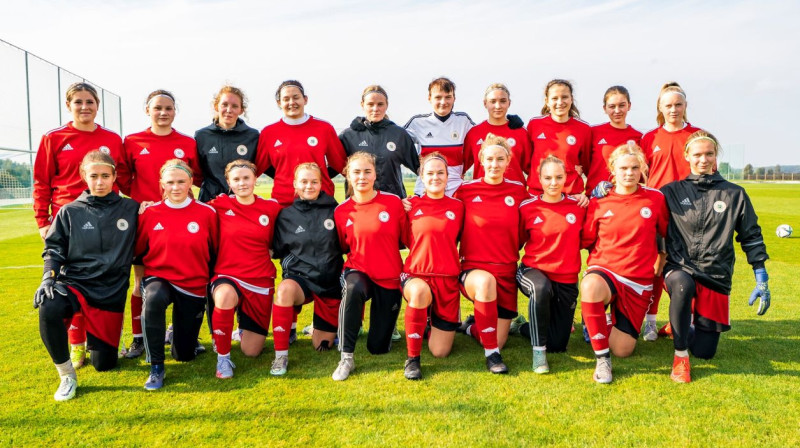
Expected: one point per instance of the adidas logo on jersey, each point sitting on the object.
(479, 142)
(300, 229)
(158, 227)
(656, 149)
(213, 150)
(608, 214)
(230, 213)
(88, 226)
(477, 199)
(538, 220)
(598, 336)
(68, 147)
(219, 332)
(277, 143)
(602, 142)
(414, 336)
(349, 223)
(488, 330)
(541, 136)
(279, 329)
(419, 212)
(144, 152)
(363, 143)
(429, 135)
(686, 202)
(72, 327)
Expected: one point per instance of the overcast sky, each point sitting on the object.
(737, 60)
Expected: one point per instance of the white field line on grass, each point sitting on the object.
(22, 267)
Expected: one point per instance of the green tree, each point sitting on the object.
(747, 172)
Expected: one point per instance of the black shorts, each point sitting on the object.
(326, 309)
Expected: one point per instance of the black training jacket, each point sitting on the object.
(306, 241)
(705, 210)
(216, 148)
(392, 147)
(90, 246)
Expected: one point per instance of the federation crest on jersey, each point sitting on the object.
(179, 153)
(122, 224)
(450, 215)
(263, 220)
(511, 141)
(391, 146)
(646, 212)
(193, 227)
(328, 224)
(571, 218)
(241, 150)
(720, 206)
(571, 139)
(454, 135)
(105, 150)
(383, 216)
(509, 201)
(631, 142)
(312, 141)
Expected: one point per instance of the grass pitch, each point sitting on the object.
(748, 395)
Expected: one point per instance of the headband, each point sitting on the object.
(508, 151)
(679, 92)
(278, 93)
(494, 87)
(156, 96)
(374, 91)
(702, 137)
(242, 165)
(175, 166)
(436, 157)
(85, 165)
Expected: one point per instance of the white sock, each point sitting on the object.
(541, 348)
(294, 325)
(608, 319)
(225, 356)
(279, 353)
(66, 369)
(488, 352)
(650, 318)
(682, 353)
(468, 332)
(347, 355)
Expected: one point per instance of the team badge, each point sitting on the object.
(312, 141)
(391, 146)
(571, 218)
(454, 135)
(509, 201)
(105, 150)
(179, 153)
(720, 206)
(122, 224)
(328, 224)
(631, 142)
(263, 220)
(571, 139)
(511, 142)
(645, 212)
(450, 215)
(383, 216)
(241, 150)
(193, 227)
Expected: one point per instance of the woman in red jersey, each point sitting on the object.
(370, 225)
(497, 100)
(144, 153)
(246, 226)
(560, 132)
(430, 273)
(57, 180)
(550, 226)
(491, 213)
(621, 232)
(176, 242)
(298, 138)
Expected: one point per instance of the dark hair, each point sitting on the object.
(444, 84)
(160, 92)
(288, 83)
(82, 87)
(614, 90)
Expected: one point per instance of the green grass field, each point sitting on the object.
(747, 396)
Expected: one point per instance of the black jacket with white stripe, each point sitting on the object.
(306, 241)
(705, 210)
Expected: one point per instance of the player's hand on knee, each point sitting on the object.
(761, 291)
(45, 290)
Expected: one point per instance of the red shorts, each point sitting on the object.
(326, 309)
(506, 278)
(255, 302)
(632, 299)
(445, 311)
(104, 325)
(712, 305)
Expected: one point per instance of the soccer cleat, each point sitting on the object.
(413, 370)
(396, 336)
(280, 365)
(681, 370)
(308, 330)
(665, 331)
(650, 332)
(292, 336)
(77, 355)
(156, 379)
(495, 364)
(602, 373)
(468, 322)
(199, 348)
(136, 349)
(123, 351)
(168, 336)
(66, 390)
(346, 365)
(540, 365)
(586, 335)
(516, 324)
(225, 367)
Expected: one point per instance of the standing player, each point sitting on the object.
(706, 204)
(57, 180)
(298, 138)
(245, 274)
(389, 143)
(87, 260)
(550, 226)
(490, 249)
(561, 133)
(144, 153)
(442, 130)
(430, 273)
(370, 225)
(226, 139)
(176, 242)
(307, 243)
(497, 100)
(621, 232)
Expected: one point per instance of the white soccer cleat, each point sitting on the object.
(650, 332)
(66, 390)
(346, 365)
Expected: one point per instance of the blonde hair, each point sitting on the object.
(97, 157)
(310, 166)
(496, 86)
(374, 88)
(240, 163)
(82, 87)
(670, 87)
(232, 90)
(175, 164)
(494, 140)
(702, 135)
(573, 107)
(551, 159)
(628, 149)
(360, 155)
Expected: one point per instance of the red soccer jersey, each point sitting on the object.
(432, 235)
(56, 172)
(370, 235)
(520, 150)
(245, 237)
(144, 153)
(283, 146)
(491, 221)
(552, 236)
(664, 153)
(620, 232)
(178, 243)
(570, 142)
(605, 139)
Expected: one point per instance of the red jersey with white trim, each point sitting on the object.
(570, 142)
(144, 153)
(370, 234)
(178, 243)
(605, 139)
(245, 237)
(56, 172)
(664, 152)
(521, 151)
(432, 235)
(491, 221)
(552, 236)
(620, 232)
(283, 146)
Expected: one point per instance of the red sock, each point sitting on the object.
(658, 289)
(222, 325)
(416, 318)
(594, 316)
(486, 323)
(76, 331)
(281, 324)
(136, 316)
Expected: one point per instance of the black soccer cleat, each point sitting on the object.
(495, 364)
(413, 370)
(470, 320)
